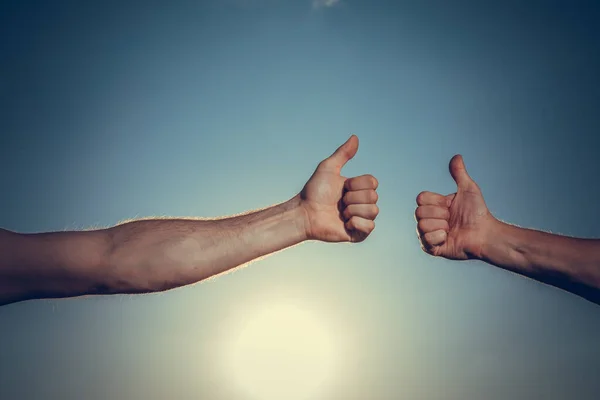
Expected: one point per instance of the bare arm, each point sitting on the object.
(160, 254)
(571, 264)
(459, 226)
(143, 256)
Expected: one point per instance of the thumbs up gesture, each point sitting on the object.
(458, 225)
(339, 209)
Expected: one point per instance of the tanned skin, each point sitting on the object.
(154, 255)
(459, 226)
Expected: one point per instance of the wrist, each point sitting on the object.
(489, 237)
(300, 216)
(501, 245)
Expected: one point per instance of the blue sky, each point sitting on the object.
(114, 110)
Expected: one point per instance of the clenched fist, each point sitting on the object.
(339, 209)
(455, 226)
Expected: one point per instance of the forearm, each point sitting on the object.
(141, 256)
(569, 263)
(156, 255)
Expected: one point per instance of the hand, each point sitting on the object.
(455, 226)
(339, 209)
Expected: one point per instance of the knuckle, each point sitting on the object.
(375, 210)
(421, 197)
(419, 212)
(421, 225)
(346, 198)
(374, 181)
(347, 213)
(371, 226)
(352, 222)
(368, 227)
(374, 196)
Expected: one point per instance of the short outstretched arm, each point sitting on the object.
(142, 256)
(568, 263)
(460, 226)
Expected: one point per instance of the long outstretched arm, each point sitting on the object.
(142, 256)
(159, 254)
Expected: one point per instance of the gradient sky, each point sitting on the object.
(118, 109)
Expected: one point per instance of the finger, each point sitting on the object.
(368, 196)
(368, 211)
(431, 199)
(459, 172)
(435, 238)
(341, 156)
(432, 212)
(360, 224)
(430, 225)
(363, 182)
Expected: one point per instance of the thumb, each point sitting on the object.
(342, 155)
(459, 172)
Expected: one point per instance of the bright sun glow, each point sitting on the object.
(282, 352)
